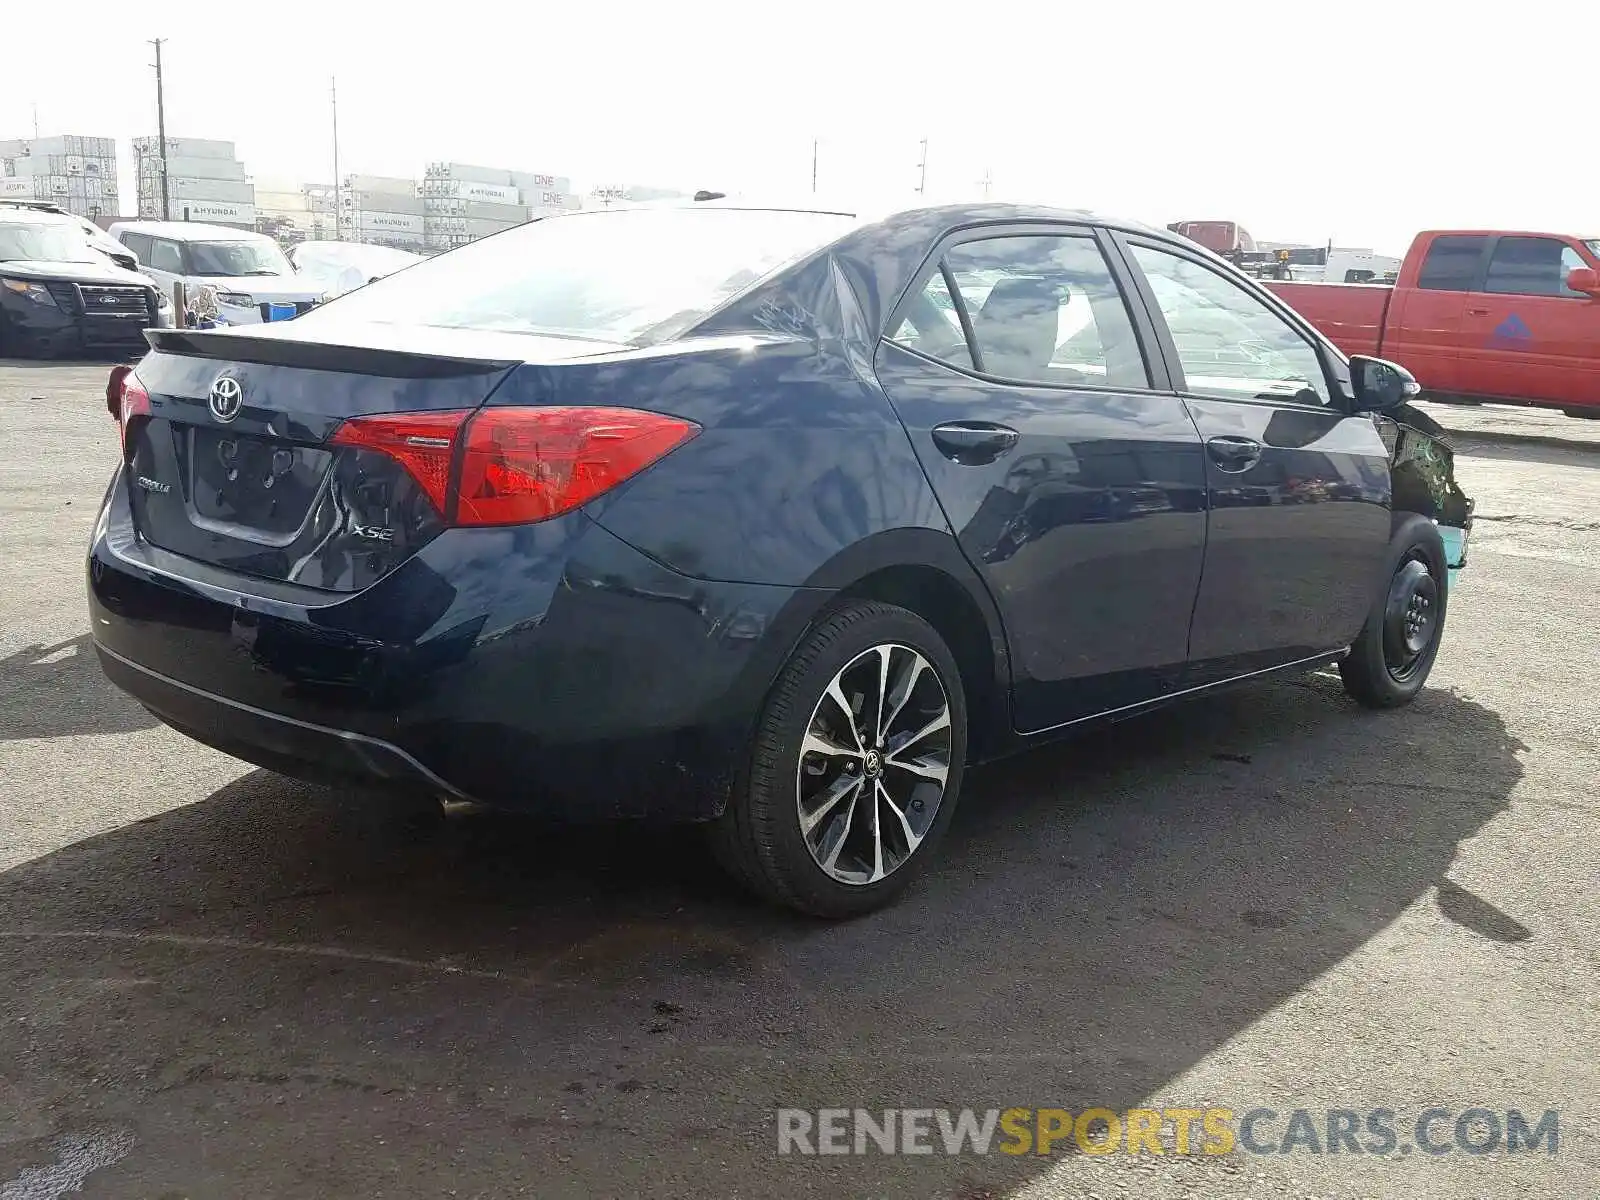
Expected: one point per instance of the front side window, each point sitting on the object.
(1045, 310)
(1452, 263)
(1229, 342)
(1532, 266)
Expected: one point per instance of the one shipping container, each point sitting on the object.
(227, 190)
(387, 184)
(468, 173)
(184, 148)
(194, 168)
(385, 202)
(374, 222)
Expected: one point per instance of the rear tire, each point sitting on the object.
(842, 804)
(1390, 660)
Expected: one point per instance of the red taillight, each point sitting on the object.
(519, 465)
(422, 443)
(114, 390)
(133, 402)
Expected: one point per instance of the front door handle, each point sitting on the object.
(973, 443)
(1232, 453)
(1477, 312)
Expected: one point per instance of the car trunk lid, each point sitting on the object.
(234, 467)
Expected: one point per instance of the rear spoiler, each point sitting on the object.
(319, 356)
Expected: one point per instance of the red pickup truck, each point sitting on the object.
(1477, 315)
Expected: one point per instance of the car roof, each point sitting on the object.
(955, 214)
(186, 231)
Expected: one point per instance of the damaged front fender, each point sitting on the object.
(1422, 469)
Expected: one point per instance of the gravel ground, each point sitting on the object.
(214, 982)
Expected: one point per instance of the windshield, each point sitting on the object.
(630, 275)
(44, 243)
(238, 258)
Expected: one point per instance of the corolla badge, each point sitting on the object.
(227, 398)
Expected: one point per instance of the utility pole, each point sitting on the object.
(986, 182)
(922, 169)
(161, 134)
(813, 165)
(338, 209)
(36, 120)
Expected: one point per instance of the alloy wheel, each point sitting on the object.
(874, 764)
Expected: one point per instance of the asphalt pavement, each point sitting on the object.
(218, 983)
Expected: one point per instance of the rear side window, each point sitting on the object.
(1532, 266)
(1044, 310)
(139, 243)
(1452, 263)
(930, 325)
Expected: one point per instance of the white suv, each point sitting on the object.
(248, 270)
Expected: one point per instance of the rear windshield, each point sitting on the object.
(238, 258)
(627, 276)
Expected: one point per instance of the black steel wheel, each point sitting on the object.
(1390, 660)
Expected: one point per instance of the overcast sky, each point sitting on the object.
(1358, 121)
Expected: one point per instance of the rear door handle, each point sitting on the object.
(1232, 453)
(973, 443)
(1477, 312)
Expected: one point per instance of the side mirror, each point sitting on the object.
(1381, 385)
(1585, 280)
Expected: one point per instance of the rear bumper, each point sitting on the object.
(548, 667)
(283, 743)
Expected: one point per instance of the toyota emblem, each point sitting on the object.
(227, 398)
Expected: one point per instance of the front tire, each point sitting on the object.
(1391, 659)
(856, 765)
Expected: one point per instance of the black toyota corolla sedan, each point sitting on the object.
(769, 519)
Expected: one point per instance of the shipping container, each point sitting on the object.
(547, 200)
(386, 184)
(538, 182)
(229, 191)
(384, 202)
(467, 173)
(379, 222)
(282, 202)
(194, 168)
(62, 164)
(184, 148)
(214, 213)
(458, 189)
